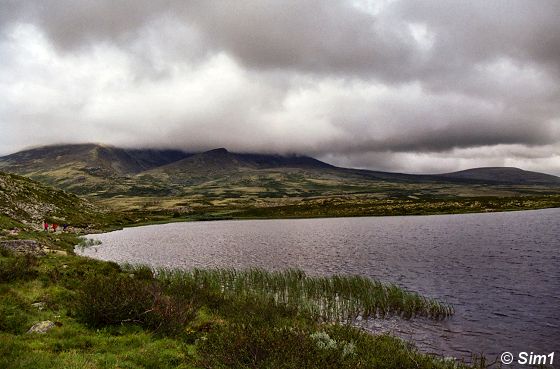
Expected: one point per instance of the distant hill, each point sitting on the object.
(25, 201)
(503, 175)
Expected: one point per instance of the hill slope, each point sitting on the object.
(92, 158)
(86, 168)
(25, 201)
(219, 163)
(503, 175)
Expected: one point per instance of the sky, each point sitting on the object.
(408, 86)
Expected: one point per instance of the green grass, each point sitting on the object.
(74, 346)
(367, 206)
(112, 316)
(333, 299)
(15, 267)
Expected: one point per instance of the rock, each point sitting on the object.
(39, 305)
(56, 252)
(181, 209)
(14, 232)
(23, 246)
(42, 327)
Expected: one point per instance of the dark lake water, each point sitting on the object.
(501, 271)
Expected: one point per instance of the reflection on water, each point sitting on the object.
(501, 271)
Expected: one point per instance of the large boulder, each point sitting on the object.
(42, 327)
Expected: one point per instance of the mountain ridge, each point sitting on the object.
(102, 170)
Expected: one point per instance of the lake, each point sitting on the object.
(501, 271)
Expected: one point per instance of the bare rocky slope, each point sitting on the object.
(28, 203)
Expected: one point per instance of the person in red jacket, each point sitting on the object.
(46, 226)
(54, 227)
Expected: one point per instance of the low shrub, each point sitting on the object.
(17, 267)
(254, 345)
(121, 298)
(260, 346)
(76, 270)
(4, 252)
(139, 271)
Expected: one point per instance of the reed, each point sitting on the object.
(339, 299)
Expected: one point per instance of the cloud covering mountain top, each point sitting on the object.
(415, 86)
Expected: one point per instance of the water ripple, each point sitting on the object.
(501, 271)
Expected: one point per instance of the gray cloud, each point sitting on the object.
(463, 135)
(377, 86)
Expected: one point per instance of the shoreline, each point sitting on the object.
(59, 289)
(233, 218)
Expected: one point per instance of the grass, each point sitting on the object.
(16, 267)
(368, 206)
(333, 299)
(73, 346)
(134, 212)
(113, 316)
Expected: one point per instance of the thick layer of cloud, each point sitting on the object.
(396, 85)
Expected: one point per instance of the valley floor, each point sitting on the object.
(144, 210)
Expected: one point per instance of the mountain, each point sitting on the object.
(213, 164)
(507, 175)
(215, 176)
(223, 160)
(25, 201)
(85, 168)
(99, 170)
(92, 158)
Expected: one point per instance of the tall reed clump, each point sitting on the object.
(334, 298)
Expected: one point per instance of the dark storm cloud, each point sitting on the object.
(71, 24)
(313, 36)
(346, 78)
(459, 135)
(318, 36)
